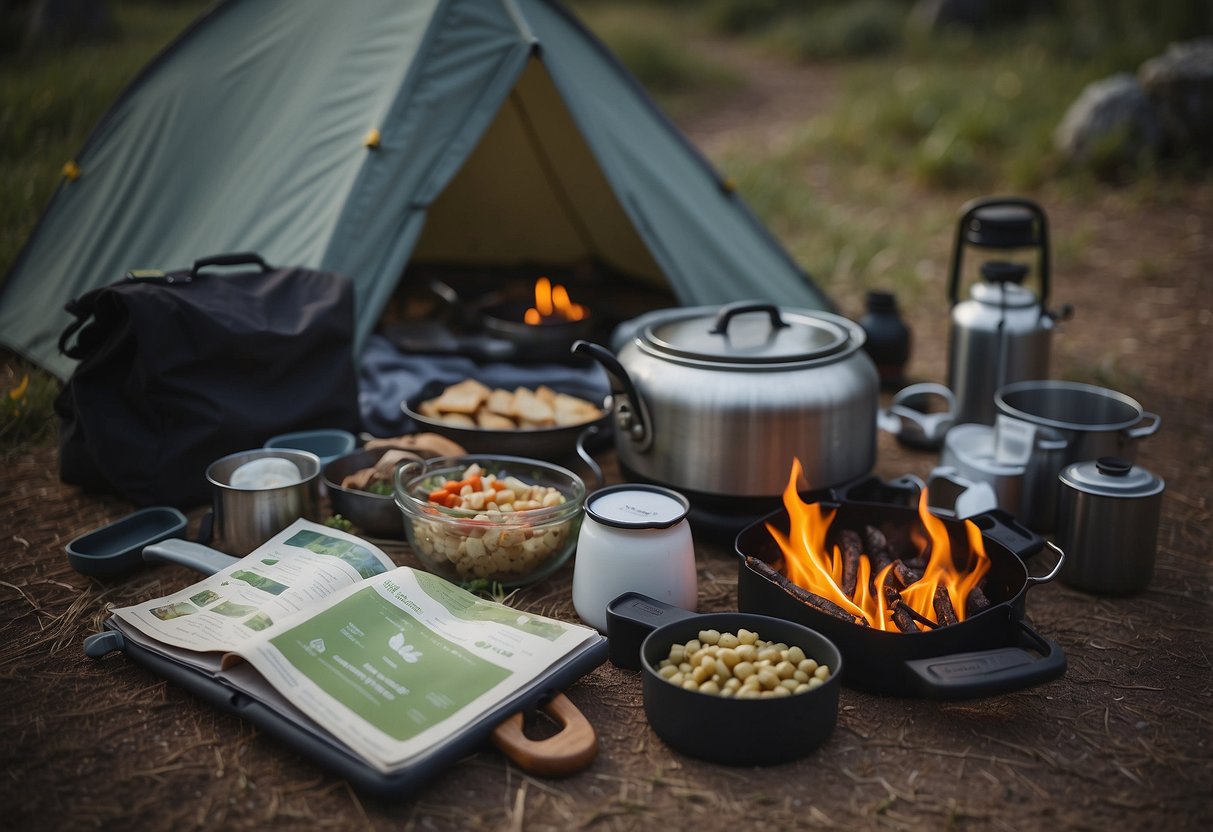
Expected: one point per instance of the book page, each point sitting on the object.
(401, 662)
(292, 571)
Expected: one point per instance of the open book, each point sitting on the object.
(327, 637)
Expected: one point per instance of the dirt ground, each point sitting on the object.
(1124, 740)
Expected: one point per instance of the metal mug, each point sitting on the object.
(244, 518)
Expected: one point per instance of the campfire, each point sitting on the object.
(552, 305)
(888, 578)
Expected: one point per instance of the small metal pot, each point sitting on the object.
(246, 517)
(1108, 525)
(716, 405)
(1083, 422)
(729, 731)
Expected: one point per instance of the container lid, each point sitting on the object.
(753, 333)
(635, 506)
(1111, 476)
(1003, 226)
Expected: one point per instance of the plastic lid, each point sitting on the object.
(632, 506)
(1111, 476)
(758, 336)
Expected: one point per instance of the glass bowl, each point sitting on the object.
(492, 542)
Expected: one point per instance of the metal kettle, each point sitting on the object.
(1002, 332)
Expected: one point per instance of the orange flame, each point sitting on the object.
(552, 302)
(811, 564)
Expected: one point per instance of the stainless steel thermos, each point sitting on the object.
(1002, 332)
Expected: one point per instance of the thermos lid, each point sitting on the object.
(637, 506)
(1111, 476)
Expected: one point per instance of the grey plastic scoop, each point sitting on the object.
(117, 548)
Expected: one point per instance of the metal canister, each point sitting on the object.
(1108, 525)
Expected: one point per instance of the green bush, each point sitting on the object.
(849, 30)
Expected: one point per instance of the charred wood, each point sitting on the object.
(799, 593)
(945, 613)
(852, 550)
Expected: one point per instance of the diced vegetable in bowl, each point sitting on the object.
(504, 519)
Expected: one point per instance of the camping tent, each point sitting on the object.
(351, 137)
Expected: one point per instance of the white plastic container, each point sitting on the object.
(634, 538)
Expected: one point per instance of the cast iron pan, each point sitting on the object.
(989, 653)
(740, 732)
(555, 444)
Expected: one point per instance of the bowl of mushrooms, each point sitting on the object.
(501, 519)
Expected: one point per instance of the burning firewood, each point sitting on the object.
(977, 600)
(852, 551)
(800, 593)
(902, 614)
(904, 575)
(877, 547)
(945, 613)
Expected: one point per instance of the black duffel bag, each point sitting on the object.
(178, 369)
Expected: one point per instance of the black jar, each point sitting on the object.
(888, 338)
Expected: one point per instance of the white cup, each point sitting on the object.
(634, 538)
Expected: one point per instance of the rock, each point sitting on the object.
(977, 15)
(1111, 122)
(1179, 84)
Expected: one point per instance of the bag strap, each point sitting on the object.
(82, 308)
(240, 258)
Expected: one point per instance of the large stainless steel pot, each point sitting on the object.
(718, 404)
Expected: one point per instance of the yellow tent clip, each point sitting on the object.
(71, 171)
(371, 140)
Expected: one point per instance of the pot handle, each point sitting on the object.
(743, 307)
(1061, 559)
(1141, 431)
(989, 672)
(567, 752)
(191, 555)
(630, 618)
(631, 416)
(1001, 526)
(583, 439)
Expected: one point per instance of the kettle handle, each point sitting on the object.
(966, 213)
(631, 415)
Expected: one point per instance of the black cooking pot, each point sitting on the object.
(991, 652)
(742, 732)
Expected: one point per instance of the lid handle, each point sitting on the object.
(969, 209)
(1113, 466)
(743, 307)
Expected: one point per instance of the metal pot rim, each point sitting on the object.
(1050, 385)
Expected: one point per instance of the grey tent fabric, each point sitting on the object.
(503, 131)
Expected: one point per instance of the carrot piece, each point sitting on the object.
(475, 482)
(498, 485)
(436, 496)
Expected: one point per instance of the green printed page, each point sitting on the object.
(466, 606)
(374, 658)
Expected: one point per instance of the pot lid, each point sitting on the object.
(1111, 476)
(752, 333)
(632, 506)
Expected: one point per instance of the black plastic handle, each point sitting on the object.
(239, 258)
(966, 214)
(631, 415)
(1001, 526)
(989, 672)
(630, 619)
(744, 307)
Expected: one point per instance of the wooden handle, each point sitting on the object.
(567, 752)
